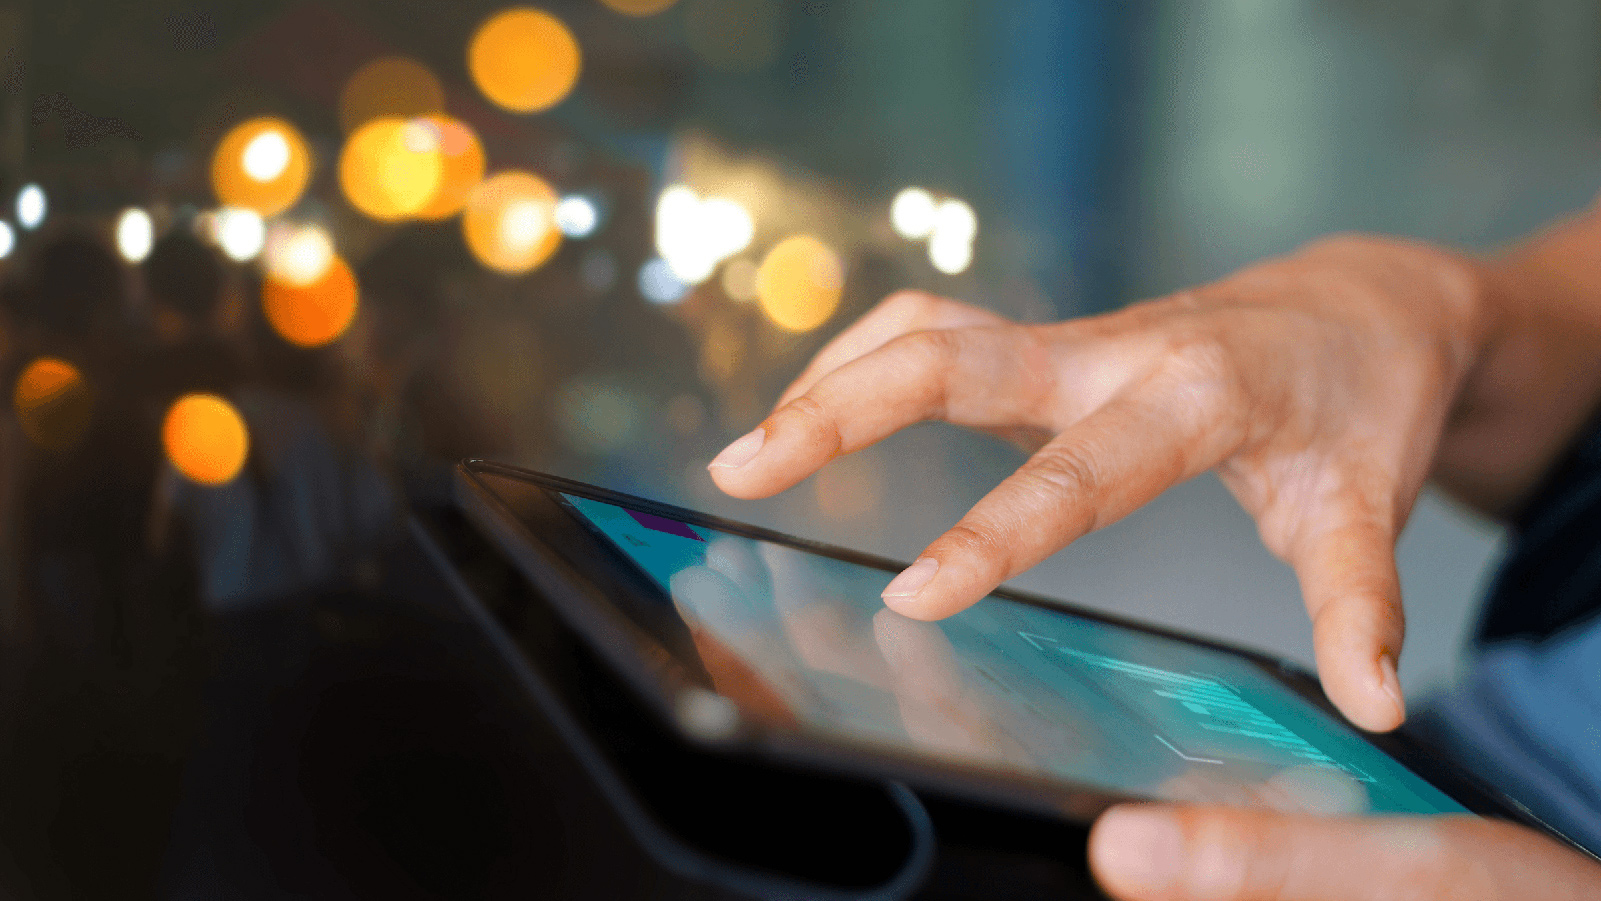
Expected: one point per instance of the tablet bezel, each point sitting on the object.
(583, 579)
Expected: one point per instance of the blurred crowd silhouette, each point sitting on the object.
(120, 572)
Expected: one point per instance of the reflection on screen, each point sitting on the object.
(806, 638)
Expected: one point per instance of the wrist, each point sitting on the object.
(1534, 378)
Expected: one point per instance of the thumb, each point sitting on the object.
(1160, 853)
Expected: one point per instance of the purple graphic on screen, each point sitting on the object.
(661, 524)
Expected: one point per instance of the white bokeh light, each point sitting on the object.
(136, 234)
(8, 240)
(912, 214)
(31, 206)
(577, 216)
(695, 235)
(523, 224)
(658, 283)
(950, 254)
(955, 219)
(299, 255)
(266, 156)
(240, 233)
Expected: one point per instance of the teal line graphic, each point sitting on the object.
(1230, 714)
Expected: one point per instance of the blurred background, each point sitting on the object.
(268, 270)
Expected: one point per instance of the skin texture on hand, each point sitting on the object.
(1317, 385)
(1160, 853)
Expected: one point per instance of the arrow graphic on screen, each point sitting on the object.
(1035, 640)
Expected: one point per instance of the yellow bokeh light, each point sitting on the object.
(54, 403)
(205, 439)
(262, 165)
(800, 283)
(462, 158)
(390, 86)
(639, 7)
(524, 59)
(391, 168)
(510, 222)
(311, 315)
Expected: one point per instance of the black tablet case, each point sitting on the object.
(651, 817)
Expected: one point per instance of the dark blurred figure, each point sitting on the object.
(423, 422)
(102, 648)
(196, 349)
(309, 504)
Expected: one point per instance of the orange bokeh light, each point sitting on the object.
(311, 315)
(510, 222)
(54, 403)
(205, 439)
(639, 7)
(800, 283)
(261, 164)
(391, 168)
(524, 59)
(389, 86)
(462, 158)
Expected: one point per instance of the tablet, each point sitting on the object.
(747, 641)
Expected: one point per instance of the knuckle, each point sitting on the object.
(1067, 472)
(979, 542)
(817, 419)
(1206, 373)
(925, 359)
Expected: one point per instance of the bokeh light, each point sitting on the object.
(136, 234)
(577, 216)
(241, 233)
(261, 164)
(510, 222)
(266, 156)
(314, 313)
(658, 283)
(391, 168)
(950, 246)
(205, 439)
(912, 214)
(639, 7)
(31, 206)
(462, 162)
(524, 59)
(54, 403)
(298, 255)
(8, 240)
(950, 254)
(800, 283)
(390, 86)
(695, 235)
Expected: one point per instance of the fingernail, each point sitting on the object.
(740, 452)
(912, 578)
(1138, 851)
(1390, 683)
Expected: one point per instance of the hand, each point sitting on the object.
(1159, 853)
(1318, 385)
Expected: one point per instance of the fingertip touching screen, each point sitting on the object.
(801, 639)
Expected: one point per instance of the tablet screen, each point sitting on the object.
(804, 640)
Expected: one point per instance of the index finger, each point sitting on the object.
(899, 314)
